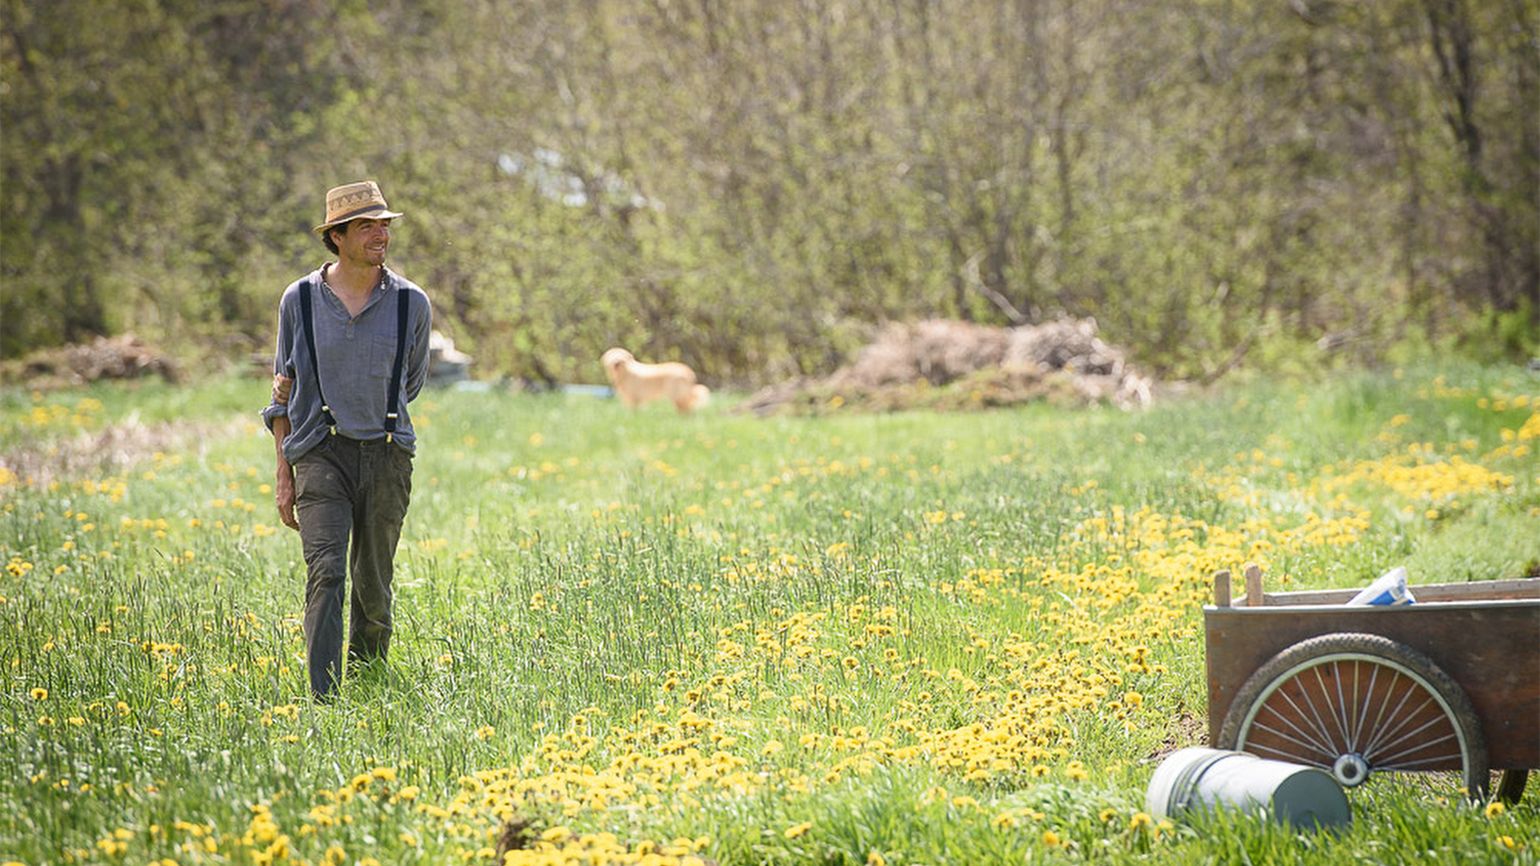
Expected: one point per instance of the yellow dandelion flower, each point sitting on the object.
(39, 694)
(1051, 839)
(1140, 819)
(797, 830)
(1495, 808)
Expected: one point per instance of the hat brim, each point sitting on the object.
(373, 213)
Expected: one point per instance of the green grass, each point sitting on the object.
(905, 638)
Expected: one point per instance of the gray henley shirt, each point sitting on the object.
(357, 354)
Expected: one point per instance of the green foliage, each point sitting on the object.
(1499, 334)
(745, 188)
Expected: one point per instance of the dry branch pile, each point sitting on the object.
(122, 357)
(942, 364)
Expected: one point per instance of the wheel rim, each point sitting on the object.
(1355, 714)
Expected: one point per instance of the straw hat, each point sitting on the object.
(351, 201)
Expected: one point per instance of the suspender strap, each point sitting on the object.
(315, 360)
(393, 403)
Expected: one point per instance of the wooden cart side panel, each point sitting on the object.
(1492, 651)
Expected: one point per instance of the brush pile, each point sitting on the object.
(121, 357)
(950, 365)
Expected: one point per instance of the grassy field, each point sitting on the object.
(852, 639)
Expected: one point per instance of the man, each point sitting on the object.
(352, 352)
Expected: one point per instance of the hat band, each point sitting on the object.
(353, 214)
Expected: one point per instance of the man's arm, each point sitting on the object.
(276, 416)
(417, 355)
(283, 484)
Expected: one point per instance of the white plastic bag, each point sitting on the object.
(1389, 589)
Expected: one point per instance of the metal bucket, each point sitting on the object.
(1216, 778)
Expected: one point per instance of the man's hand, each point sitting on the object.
(281, 386)
(283, 484)
(285, 493)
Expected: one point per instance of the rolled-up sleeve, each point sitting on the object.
(282, 363)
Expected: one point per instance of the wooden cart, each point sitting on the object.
(1450, 683)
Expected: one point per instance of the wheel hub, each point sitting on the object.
(1351, 770)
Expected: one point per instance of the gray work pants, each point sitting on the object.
(347, 490)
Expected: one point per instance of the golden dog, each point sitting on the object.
(637, 383)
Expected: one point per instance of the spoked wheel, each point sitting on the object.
(1355, 705)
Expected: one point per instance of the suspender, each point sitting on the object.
(315, 360)
(393, 401)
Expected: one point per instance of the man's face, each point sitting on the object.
(364, 242)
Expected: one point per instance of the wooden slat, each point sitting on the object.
(1222, 588)
(1476, 590)
(1254, 596)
